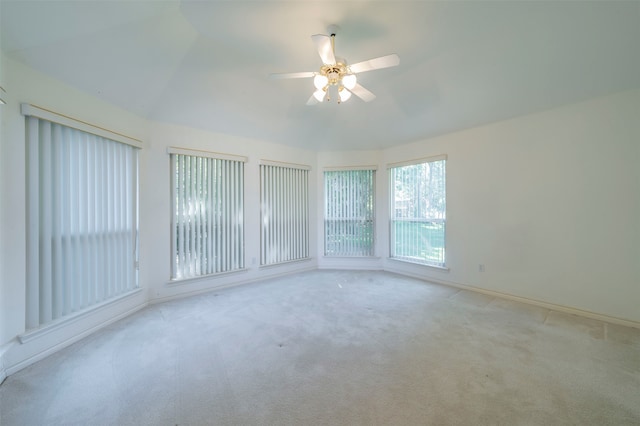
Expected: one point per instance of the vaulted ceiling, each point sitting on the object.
(205, 64)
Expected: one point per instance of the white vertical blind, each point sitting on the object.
(208, 215)
(418, 211)
(82, 220)
(349, 212)
(284, 201)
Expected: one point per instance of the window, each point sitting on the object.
(284, 198)
(349, 212)
(82, 220)
(418, 211)
(208, 217)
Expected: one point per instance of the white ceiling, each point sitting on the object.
(206, 64)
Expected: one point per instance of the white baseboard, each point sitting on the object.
(551, 306)
(3, 350)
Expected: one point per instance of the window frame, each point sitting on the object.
(394, 219)
(106, 223)
(224, 218)
(288, 206)
(354, 191)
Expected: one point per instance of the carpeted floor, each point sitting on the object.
(337, 348)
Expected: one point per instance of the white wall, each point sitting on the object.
(549, 203)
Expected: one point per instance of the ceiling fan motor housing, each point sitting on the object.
(334, 73)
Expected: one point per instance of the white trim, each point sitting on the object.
(348, 168)
(417, 161)
(3, 350)
(45, 114)
(206, 154)
(69, 319)
(284, 164)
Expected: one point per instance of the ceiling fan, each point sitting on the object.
(336, 78)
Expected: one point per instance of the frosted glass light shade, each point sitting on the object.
(319, 95)
(344, 95)
(320, 81)
(349, 81)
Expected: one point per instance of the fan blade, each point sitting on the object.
(317, 97)
(281, 76)
(325, 50)
(375, 64)
(363, 93)
(312, 101)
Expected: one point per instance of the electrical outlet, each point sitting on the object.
(481, 267)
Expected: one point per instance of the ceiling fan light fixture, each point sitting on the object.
(349, 81)
(320, 81)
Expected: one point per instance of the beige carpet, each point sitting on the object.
(337, 348)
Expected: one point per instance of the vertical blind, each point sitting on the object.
(284, 201)
(349, 212)
(418, 212)
(82, 223)
(208, 216)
